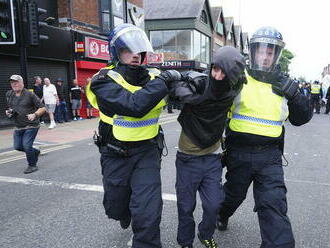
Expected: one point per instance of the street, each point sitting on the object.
(61, 204)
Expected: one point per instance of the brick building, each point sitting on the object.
(77, 43)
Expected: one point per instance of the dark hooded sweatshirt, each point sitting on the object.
(205, 109)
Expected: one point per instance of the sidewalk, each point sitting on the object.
(61, 134)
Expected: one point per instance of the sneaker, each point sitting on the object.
(42, 122)
(74, 118)
(51, 126)
(30, 169)
(222, 224)
(80, 118)
(124, 223)
(209, 243)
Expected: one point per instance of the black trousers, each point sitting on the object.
(316, 103)
(264, 169)
(132, 187)
(202, 174)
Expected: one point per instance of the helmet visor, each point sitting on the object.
(264, 56)
(133, 39)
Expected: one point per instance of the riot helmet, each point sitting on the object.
(128, 36)
(266, 46)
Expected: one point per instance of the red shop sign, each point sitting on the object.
(96, 48)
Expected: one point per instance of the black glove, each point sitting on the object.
(196, 81)
(286, 87)
(170, 76)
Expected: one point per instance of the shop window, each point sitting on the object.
(184, 44)
(181, 45)
(156, 39)
(197, 45)
(203, 48)
(207, 53)
(169, 45)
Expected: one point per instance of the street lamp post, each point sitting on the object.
(22, 45)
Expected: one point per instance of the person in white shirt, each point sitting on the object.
(51, 99)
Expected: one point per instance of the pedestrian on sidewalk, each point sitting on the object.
(130, 100)
(51, 100)
(60, 110)
(75, 97)
(206, 101)
(24, 108)
(38, 90)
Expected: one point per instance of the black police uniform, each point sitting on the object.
(258, 159)
(131, 170)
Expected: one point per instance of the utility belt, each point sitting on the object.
(122, 147)
(254, 148)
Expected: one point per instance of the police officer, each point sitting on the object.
(255, 137)
(207, 100)
(130, 100)
(316, 94)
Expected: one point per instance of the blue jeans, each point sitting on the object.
(23, 141)
(202, 174)
(60, 112)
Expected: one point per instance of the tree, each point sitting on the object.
(285, 60)
(302, 79)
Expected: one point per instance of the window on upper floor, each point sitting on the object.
(105, 15)
(204, 17)
(219, 28)
(112, 13)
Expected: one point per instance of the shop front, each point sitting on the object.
(92, 54)
(180, 50)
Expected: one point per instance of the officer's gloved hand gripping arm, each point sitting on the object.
(300, 111)
(186, 87)
(112, 98)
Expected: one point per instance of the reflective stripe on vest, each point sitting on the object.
(127, 128)
(316, 89)
(257, 110)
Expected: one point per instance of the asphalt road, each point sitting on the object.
(61, 204)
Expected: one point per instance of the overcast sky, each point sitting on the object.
(303, 24)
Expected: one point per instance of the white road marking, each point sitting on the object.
(74, 186)
(99, 188)
(169, 119)
(43, 151)
(307, 182)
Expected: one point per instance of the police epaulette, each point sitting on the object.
(101, 75)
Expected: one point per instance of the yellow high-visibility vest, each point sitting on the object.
(316, 89)
(126, 128)
(257, 110)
